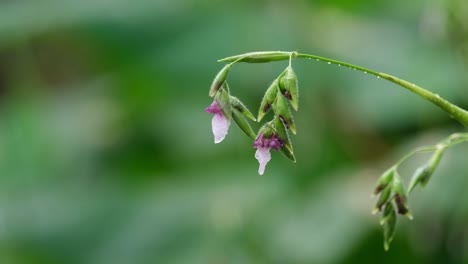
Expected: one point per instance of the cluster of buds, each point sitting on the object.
(393, 198)
(273, 134)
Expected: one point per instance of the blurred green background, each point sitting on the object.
(106, 155)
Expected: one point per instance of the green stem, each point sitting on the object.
(459, 114)
(418, 150)
(448, 142)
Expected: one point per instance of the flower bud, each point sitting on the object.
(288, 86)
(401, 199)
(384, 198)
(384, 180)
(219, 80)
(281, 109)
(223, 99)
(242, 123)
(283, 135)
(268, 100)
(266, 130)
(423, 174)
(389, 225)
(388, 210)
(239, 106)
(259, 57)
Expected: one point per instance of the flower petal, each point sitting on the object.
(263, 156)
(220, 126)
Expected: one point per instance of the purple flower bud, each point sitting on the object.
(263, 146)
(220, 124)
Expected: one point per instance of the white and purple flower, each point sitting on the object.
(263, 146)
(220, 124)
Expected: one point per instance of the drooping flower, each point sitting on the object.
(220, 124)
(263, 146)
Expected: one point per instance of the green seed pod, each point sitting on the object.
(239, 106)
(219, 80)
(389, 226)
(268, 100)
(259, 57)
(384, 180)
(281, 109)
(401, 198)
(283, 135)
(384, 198)
(423, 174)
(388, 210)
(242, 123)
(288, 86)
(223, 99)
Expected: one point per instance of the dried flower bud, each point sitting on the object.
(288, 86)
(401, 198)
(219, 80)
(281, 109)
(384, 180)
(389, 225)
(268, 100)
(259, 57)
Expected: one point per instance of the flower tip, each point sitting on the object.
(218, 140)
(263, 156)
(386, 246)
(220, 127)
(409, 215)
(375, 210)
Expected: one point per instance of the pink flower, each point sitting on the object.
(263, 146)
(220, 124)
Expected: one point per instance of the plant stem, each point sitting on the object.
(459, 114)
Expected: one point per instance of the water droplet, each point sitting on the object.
(378, 77)
(339, 65)
(365, 72)
(329, 62)
(317, 59)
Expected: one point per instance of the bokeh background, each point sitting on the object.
(106, 155)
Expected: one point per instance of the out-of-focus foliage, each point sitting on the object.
(106, 155)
